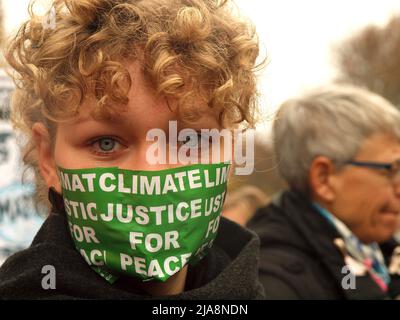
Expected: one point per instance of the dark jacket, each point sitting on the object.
(299, 259)
(229, 271)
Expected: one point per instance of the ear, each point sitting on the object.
(45, 154)
(320, 177)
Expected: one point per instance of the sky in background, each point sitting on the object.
(296, 35)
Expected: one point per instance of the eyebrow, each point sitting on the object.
(115, 119)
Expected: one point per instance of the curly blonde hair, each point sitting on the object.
(187, 49)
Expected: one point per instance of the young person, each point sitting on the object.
(98, 82)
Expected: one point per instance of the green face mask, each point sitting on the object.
(147, 224)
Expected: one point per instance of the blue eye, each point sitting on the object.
(106, 144)
(193, 140)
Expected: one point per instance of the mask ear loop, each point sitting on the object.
(56, 200)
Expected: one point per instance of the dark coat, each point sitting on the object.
(229, 271)
(299, 259)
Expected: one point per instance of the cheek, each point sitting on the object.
(360, 202)
(369, 191)
(380, 199)
(64, 155)
(360, 205)
(372, 202)
(61, 155)
(380, 225)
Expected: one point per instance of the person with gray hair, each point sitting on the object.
(330, 235)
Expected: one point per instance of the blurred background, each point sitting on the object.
(308, 43)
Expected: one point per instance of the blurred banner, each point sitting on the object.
(19, 220)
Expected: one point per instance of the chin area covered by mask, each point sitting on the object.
(145, 224)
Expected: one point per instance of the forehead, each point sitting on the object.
(380, 147)
(146, 110)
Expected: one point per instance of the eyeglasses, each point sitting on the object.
(393, 169)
